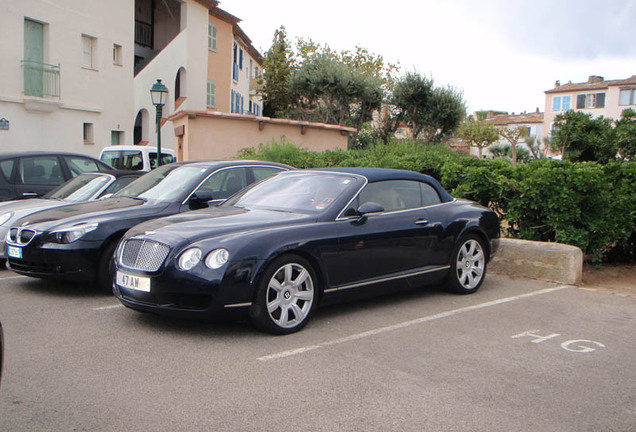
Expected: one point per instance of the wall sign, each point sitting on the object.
(4, 124)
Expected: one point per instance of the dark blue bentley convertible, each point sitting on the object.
(275, 250)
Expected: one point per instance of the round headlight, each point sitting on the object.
(217, 258)
(190, 258)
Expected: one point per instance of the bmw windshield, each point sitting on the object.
(81, 188)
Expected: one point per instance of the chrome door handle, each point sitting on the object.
(422, 222)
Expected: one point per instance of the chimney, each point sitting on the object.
(593, 79)
(537, 111)
(557, 83)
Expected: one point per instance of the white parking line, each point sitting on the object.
(405, 324)
(108, 307)
(12, 277)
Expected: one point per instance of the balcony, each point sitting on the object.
(41, 80)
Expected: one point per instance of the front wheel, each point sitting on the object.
(285, 297)
(468, 265)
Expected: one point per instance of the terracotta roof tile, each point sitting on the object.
(591, 85)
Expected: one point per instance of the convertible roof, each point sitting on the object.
(380, 174)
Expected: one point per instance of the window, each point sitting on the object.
(88, 133)
(240, 59)
(567, 101)
(166, 159)
(235, 66)
(591, 100)
(211, 95)
(263, 172)
(116, 137)
(556, 103)
(7, 168)
(561, 103)
(627, 97)
(117, 55)
(212, 36)
(78, 165)
(88, 52)
(225, 183)
(41, 170)
(117, 185)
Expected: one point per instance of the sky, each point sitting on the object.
(503, 54)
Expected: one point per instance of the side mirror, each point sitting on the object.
(200, 199)
(367, 208)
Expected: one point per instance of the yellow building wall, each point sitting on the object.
(200, 136)
(220, 63)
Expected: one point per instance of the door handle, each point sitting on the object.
(422, 222)
(29, 194)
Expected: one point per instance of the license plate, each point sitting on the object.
(14, 252)
(133, 282)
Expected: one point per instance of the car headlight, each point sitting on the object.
(190, 258)
(217, 258)
(71, 234)
(5, 217)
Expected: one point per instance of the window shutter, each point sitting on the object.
(580, 101)
(600, 100)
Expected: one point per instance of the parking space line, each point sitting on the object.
(13, 277)
(297, 351)
(108, 307)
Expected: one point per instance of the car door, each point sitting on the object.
(391, 243)
(37, 175)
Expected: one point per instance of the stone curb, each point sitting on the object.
(554, 262)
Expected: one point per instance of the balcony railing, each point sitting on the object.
(41, 79)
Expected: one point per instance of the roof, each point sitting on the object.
(382, 174)
(42, 153)
(593, 83)
(215, 164)
(512, 119)
(237, 31)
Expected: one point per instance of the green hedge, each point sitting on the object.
(588, 205)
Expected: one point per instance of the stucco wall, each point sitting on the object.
(222, 136)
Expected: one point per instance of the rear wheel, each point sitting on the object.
(286, 296)
(468, 265)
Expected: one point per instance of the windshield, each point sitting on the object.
(80, 188)
(295, 192)
(166, 183)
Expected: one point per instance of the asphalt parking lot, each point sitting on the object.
(519, 355)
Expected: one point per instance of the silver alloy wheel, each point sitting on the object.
(471, 261)
(290, 295)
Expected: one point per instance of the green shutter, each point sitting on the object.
(33, 58)
(580, 101)
(600, 100)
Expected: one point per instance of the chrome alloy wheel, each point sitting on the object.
(290, 295)
(471, 262)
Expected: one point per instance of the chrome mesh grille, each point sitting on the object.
(144, 255)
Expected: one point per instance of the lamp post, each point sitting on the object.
(158, 93)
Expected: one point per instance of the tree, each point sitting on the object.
(582, 138)
(537, 150)
(277, 66)
(626, 134)
(428, 110)
(478, 133)
(513, 135)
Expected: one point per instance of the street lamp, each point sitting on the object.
(158, 93)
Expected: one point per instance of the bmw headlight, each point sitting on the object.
(5, 217)
(217, 258)
(190, 258)
(71, 234)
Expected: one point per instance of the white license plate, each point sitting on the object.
(14, 252)
(133, 282)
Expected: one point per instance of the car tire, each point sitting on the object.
(286, 296)
(468, 265)
(106, 267)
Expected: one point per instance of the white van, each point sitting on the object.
(132, 157)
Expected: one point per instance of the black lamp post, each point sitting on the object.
(159, 93)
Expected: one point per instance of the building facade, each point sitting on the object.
(596, 96)
(532, 122)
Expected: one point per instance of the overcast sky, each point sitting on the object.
(503, 54)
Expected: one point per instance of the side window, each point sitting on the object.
(112, 158)
(429, 195)
(166, 158)
(393, 194)
(41, 170)
(225, 183)
(118, 184)
(78, 165)
(261, 173)
(7, 168)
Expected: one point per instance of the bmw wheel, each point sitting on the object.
(468, 265)
(286, 296)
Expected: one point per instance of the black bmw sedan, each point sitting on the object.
(76, 242)
(277, 249)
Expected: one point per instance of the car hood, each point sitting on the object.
(96, 211)
(202, 224)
